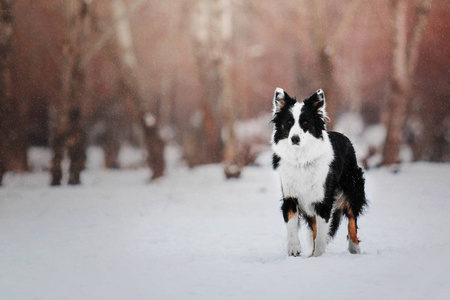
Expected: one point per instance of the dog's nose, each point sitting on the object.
(295, 140)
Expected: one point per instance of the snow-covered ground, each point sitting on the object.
(194, 235)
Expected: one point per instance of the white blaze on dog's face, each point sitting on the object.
(298, 126)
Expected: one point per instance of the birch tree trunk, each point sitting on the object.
(232, 166)
(403, 67)
(212, 30)
(127, 64)
(208, 53)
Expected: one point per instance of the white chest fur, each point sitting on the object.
(303, 171)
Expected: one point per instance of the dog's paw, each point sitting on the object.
(293, 249)
(317, 253)
(353, 248)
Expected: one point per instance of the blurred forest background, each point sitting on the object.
(199, 76)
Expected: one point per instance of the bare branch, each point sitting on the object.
(109, 33)
(346, 20)
(400, 72)
(422, 8)
(318, 18)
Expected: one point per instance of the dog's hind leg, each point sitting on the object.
(352, 182)
(291, 218)
(353, 242)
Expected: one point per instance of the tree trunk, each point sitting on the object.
(155, 144)
(193, 140)
(212, 31)
(13, 142)
(6, 35)
(326, 46)
(399, 86)
(76, 145)
(111, 149)
(68, 129)
(127, 66)
(208, 53)
(111, 144)
(403, 66)
(232, 167)
(328, 84)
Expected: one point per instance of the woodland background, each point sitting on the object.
(190, 74)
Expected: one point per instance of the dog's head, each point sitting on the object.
(298, 123)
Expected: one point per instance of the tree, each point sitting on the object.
(207, 47)
(404, 62)
(212, 31)
(127, 66)
(232, 166)
(6, 35)
(326, 46)
(68, 128)
(13, 145)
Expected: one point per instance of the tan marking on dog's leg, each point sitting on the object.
(293, 242)
(314, 227)
(353, 243)
(291, 214)
(352, 230)
(351, 224)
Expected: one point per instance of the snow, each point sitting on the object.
(39, 158)
(195, 235)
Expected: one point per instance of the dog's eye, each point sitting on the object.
(305, 123)
(290, 123)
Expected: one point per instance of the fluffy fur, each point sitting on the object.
(320, 178)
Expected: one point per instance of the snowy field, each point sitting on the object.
(194, 235)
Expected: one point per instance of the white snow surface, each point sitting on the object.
(195, 235)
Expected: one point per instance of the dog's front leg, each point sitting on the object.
(293, 242)
(290, 215)
(321, 237)
(313, 226)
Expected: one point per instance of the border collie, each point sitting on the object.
(320, 178)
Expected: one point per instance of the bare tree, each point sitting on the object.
(127, 66)
(6, 35)
(404, 62)
(232, 166)
(208, 53)
(212, 28)
(68, 128)
(326, 46)
(13, 139)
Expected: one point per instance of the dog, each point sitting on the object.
(320, 178)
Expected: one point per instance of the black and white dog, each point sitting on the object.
(320, 178)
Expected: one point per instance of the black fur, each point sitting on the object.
(335, 222)
(289, 204)
(344, 179)
(345, 172)
(310, 120)
(275, 161)
(283, 120)
(309, 221)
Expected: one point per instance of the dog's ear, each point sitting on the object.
(281, 99)
(317, 102)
